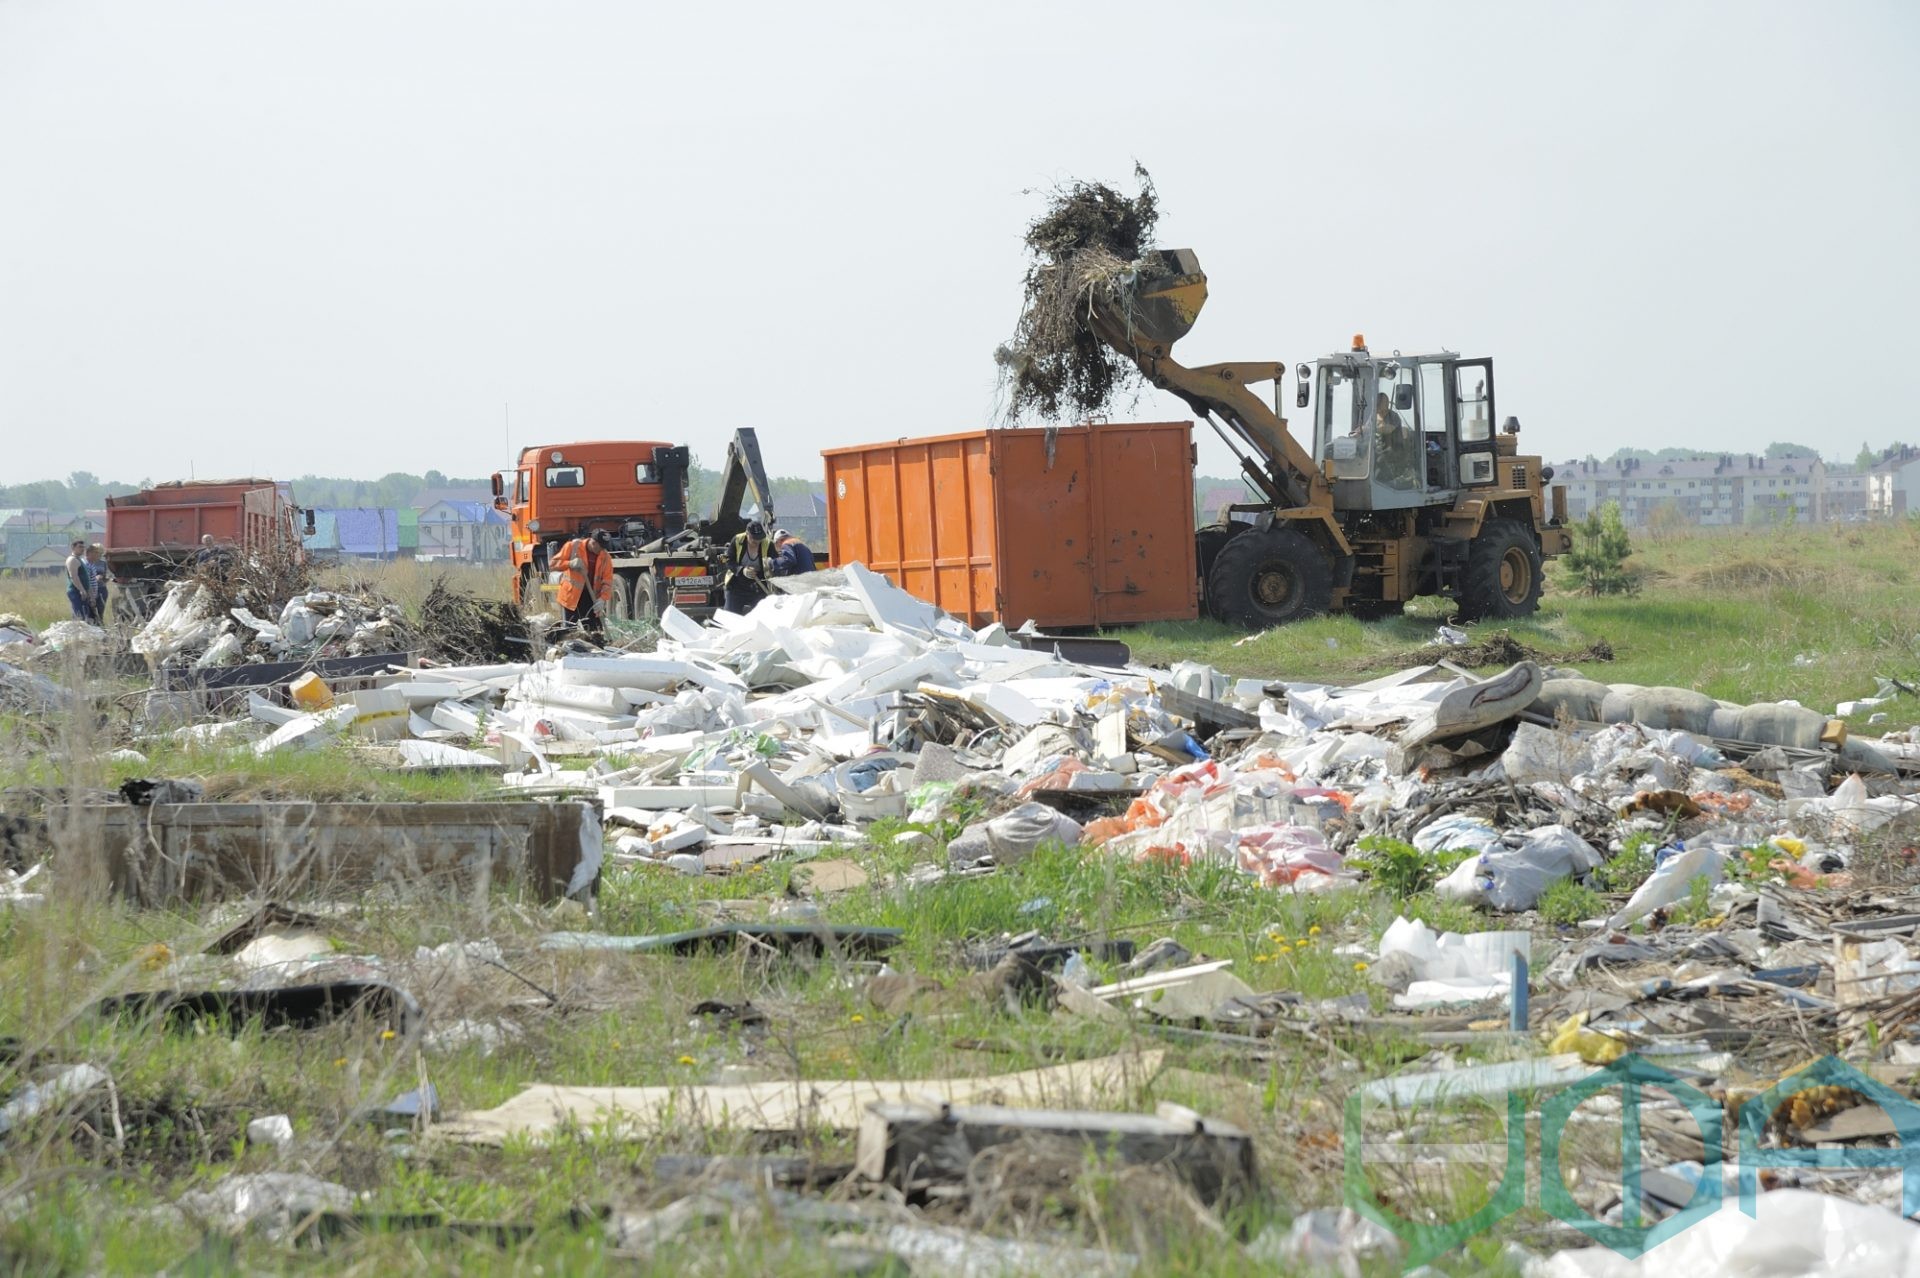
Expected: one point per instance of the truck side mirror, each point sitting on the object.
(310, 525)
(1301, 395)
(1403, 396)
(499, 486)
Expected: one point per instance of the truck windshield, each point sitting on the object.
(566, 477)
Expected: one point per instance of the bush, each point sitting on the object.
(1598, 560)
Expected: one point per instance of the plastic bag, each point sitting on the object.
(1539, 754)
(1012, 836)
(1456, 832)
(1513, 879)
(1279, 855)
(1671, 881)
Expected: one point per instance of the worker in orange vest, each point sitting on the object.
(586, 582)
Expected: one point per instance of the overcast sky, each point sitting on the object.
(351, 238)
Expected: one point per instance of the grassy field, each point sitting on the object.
(1808, 613)
(79, 1193)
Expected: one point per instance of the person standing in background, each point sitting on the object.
(98, 575)
(80, 583)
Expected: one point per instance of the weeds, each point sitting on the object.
(1628, 868)
(1568, 902)
(1401, 869)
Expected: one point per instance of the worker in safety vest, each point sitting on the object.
(747, 569)
(586, 582)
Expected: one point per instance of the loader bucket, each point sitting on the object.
(1164, 299)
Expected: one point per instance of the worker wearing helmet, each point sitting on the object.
(791, 556)
(1394, 445)
(747, 571)
(586, 582)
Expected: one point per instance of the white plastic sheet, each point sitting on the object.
(1795, 1234)
(1453, 967)
(1671, 881)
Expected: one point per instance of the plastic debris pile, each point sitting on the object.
(1700, 884)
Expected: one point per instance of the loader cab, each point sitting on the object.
(1403, 431)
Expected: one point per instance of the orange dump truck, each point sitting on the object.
(155, 533)
(1071, 526)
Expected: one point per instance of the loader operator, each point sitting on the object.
(746, 583)
(586, 583)
(1394, 443)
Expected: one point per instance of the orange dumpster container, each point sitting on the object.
(1070, 526)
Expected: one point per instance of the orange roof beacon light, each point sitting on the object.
(1359, 341)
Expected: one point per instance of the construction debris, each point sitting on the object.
(784, 1106)
(1628, 873)
(914, 1145)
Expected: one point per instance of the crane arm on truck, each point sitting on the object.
(742, 475)
(1144, 322)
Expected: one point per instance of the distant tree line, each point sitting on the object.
(83, 490)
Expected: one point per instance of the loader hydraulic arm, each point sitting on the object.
(1144, 324)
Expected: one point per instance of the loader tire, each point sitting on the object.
(1207, 543)
(1270, 578)
(1503, 573)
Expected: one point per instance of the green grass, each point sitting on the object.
(1726, 613)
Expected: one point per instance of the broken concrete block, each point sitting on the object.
(912, 1145)
(790, 798)
(171, 852)
(658, 798)
(379, 714)
(307, 730)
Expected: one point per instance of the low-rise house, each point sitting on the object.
(354, 532)
(472, 531)
(46, 561)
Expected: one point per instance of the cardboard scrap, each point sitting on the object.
(638, 1113)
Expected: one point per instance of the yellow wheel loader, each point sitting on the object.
(1405, 488)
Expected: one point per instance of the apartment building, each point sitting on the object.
(1723, 490)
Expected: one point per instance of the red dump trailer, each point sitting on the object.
(152, 535)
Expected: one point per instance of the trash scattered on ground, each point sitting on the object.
(275, 1007)
(276, 1203)
(781, 1105)
(1603, 870)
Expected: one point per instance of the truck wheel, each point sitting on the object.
(620, 600)
(1262, 579)
(1503, 572)
(646, 604)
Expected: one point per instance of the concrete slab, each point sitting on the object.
(188, 851)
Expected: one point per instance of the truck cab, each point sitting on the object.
(634, 490)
